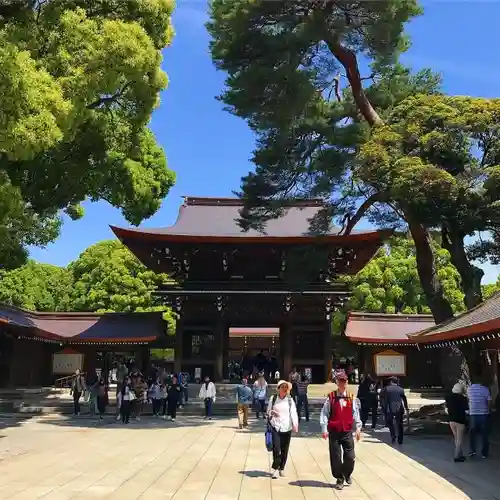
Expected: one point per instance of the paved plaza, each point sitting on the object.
(56, 459)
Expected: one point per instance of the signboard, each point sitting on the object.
(388, 363)
(307, 373)
(64, 363)
(197, 373)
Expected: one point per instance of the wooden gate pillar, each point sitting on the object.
(179, 343)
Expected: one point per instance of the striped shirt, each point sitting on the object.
(479, 399)
(302, 388)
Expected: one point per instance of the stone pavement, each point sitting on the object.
(56, 459)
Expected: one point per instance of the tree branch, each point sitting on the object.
(360, 213)
(348, 60)
(108, 99)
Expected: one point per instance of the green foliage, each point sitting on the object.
(106, 277)
(79, 82)
(389, 283)
(283, 61)
(37, 287)
(490, 289)
(437, 157)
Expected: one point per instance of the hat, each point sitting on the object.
(341, 375)
(458, 388)
(281, 382)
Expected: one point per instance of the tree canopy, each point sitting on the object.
(389, 146)
(389, 283)
(37, 287)
(106, 277)
(79, 82)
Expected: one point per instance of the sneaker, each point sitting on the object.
(348, 480)
(484, 457)
(172, 420)
(164, 417)
(118, 417)
(282, 473)
(275, 474)
(472, 454)
(459, 459)
(340, 484)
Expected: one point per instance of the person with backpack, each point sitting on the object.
(282, 417)
(368, 397)
(340, 413)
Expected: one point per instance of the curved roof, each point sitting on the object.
(482, 319)
(379, 328)
(217, 218)
(85, 327)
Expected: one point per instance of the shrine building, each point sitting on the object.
(226, 283)
(41, 348)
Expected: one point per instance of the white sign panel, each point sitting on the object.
(308, 373)
(66, 364)
(197, 373)
(390, 364)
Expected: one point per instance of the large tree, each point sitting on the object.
(37, 287)
(436, 158)
(107, 277)
(79, 82)
(285, 63)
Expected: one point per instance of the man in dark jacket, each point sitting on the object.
(395, 404)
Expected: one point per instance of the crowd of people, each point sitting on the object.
(343, 415)
(164, 391)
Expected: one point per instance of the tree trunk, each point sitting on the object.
(427, 272)
(453, 362)
(471, 275)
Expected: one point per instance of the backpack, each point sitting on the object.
(269, 433)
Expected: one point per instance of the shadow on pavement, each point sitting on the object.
(254, 473)
(310, 484)
(476, 478)
(109, 422)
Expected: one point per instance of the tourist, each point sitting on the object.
(102, 398)
(456, 407)
(283, 418)
(207, 394)
(396, 404)
(140, 389)
(126, 400)
(244, 396)
(78, 386)
(368, 398)
(302, 401)
(260, 395)
(164, 397)
(155, 395)
(479, 413)
(183, 380)
(340, 413)
(173, 398)
(121, 373)
(92, 385)
(294, 378)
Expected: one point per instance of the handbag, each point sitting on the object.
(269, 437)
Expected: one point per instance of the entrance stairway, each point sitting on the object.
(51, 401)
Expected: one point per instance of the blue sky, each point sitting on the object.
(209, 149)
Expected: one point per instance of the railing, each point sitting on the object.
(66, 381)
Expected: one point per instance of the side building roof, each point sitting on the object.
(483, 319)
(216, 219)
(385, 329)
(71, 328)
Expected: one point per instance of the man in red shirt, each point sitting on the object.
(339, 416)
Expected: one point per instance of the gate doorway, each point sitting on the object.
(252, 350)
